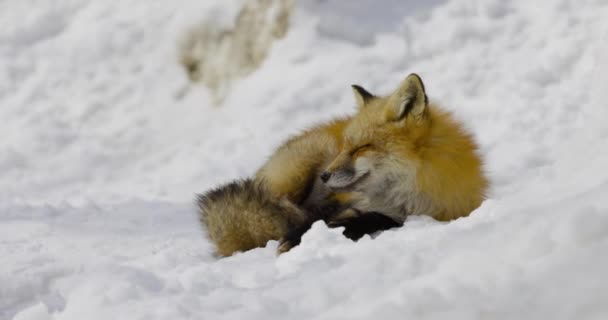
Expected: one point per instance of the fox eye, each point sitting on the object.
(361, 149)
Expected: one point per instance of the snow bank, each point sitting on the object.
(104, 144)
(216, 54)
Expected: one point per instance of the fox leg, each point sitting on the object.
(365, 223)
(292, 238)
(314, 212)
(343, 217)
(346, 212)
(358, 223)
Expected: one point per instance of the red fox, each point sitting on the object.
(398, 155)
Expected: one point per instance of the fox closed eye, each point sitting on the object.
(361, 149)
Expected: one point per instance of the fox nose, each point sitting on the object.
(325, 176)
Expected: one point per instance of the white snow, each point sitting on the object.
(104, 145)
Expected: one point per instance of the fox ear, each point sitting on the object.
(361, 95)
(409, 99)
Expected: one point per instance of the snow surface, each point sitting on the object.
(104, 144)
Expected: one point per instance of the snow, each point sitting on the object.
(104, 144)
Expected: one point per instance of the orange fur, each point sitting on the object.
(419, 159)
(292, 169)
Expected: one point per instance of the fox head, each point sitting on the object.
(380, 142)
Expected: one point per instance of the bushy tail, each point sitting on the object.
(243, 215)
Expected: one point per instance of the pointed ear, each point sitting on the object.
(361, 96)
(409, 99)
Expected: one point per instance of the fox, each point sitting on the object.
(246, 214)
(398, 155)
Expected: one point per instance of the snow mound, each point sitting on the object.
(216, 54)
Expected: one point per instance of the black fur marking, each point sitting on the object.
(354, 229)
(325, 211)
(314, 213)
(363, 93)
(367, 223)
(308, 187)
(294, 235)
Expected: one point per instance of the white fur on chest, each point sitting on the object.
(392, 190)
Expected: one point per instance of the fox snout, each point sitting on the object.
(343, 172)
(325, 176)
(340, 174)
(340, 178)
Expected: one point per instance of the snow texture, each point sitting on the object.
(104, 144)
